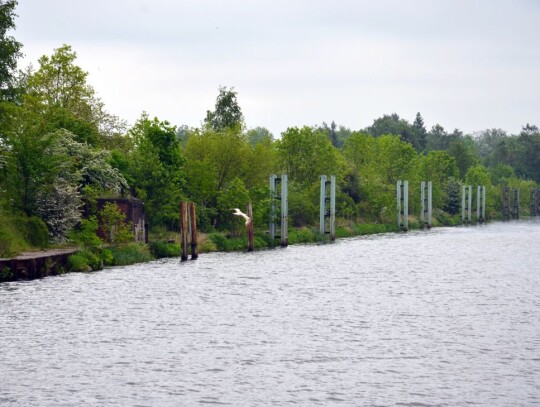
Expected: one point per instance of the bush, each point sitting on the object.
(34, 231)
(303, 235)
(86, 234)
(107, 257)
(84, 260)
(78, 262)
(130, 254)
(226, 244)
(162, 248)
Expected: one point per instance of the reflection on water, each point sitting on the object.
(442, 317)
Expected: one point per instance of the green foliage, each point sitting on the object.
(162, 248)
(34, 231)
(86, 234)
(130, 254)
(5, 274)
(114, 226)
(234, 196)
(305, 154)
(10, 49)
(464, 155)
(156, 166)
(228, 244)
(19, 233)
(77, 262)
(303, 235)
(227, 113)
(107, 257)
(394, 125)
(374, 228)
(452, 196)
(84, 260)
(302, 210)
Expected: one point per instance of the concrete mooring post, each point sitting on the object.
(532, 202)
(506, 203)
(327, 207)
(426, 195)
(402, 188)
(282, 196)
(466, 203)
(481, 204)
(515, 204)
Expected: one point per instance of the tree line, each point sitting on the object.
(61, 150)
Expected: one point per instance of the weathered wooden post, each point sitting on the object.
(193, 228)
(184, 230)
(426, 194)
(515, 206)
(250, 228)
(403, 204)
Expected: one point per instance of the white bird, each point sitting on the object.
(238, 212)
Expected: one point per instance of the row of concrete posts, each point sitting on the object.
(278, 227)
(426, 198)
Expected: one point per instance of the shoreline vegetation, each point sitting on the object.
(94, 256)
(63, 155)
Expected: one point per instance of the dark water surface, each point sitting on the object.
(447, 317)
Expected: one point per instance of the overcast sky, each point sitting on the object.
(470, 64)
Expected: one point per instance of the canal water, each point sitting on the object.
(444, 317)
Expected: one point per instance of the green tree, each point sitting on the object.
(114, 226)
(528, 141)
(156, 166)
(227, 113)
(394, 125)
(464, 155)
(437, 166)
(10, 50)
(259, 134)
(60, 93)
(438, 139)
(420, 130)
(235, 195)
(305, 154)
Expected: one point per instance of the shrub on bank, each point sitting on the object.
(130, 254)
(163, 248)
(84, 260)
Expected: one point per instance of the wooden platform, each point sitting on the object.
(31, 265)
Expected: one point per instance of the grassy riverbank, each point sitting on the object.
(94, 255)
(167, 245)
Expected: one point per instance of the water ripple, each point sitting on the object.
(441, 318)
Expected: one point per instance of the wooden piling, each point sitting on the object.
(250, 228)
(184, 230)
(194, 239)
